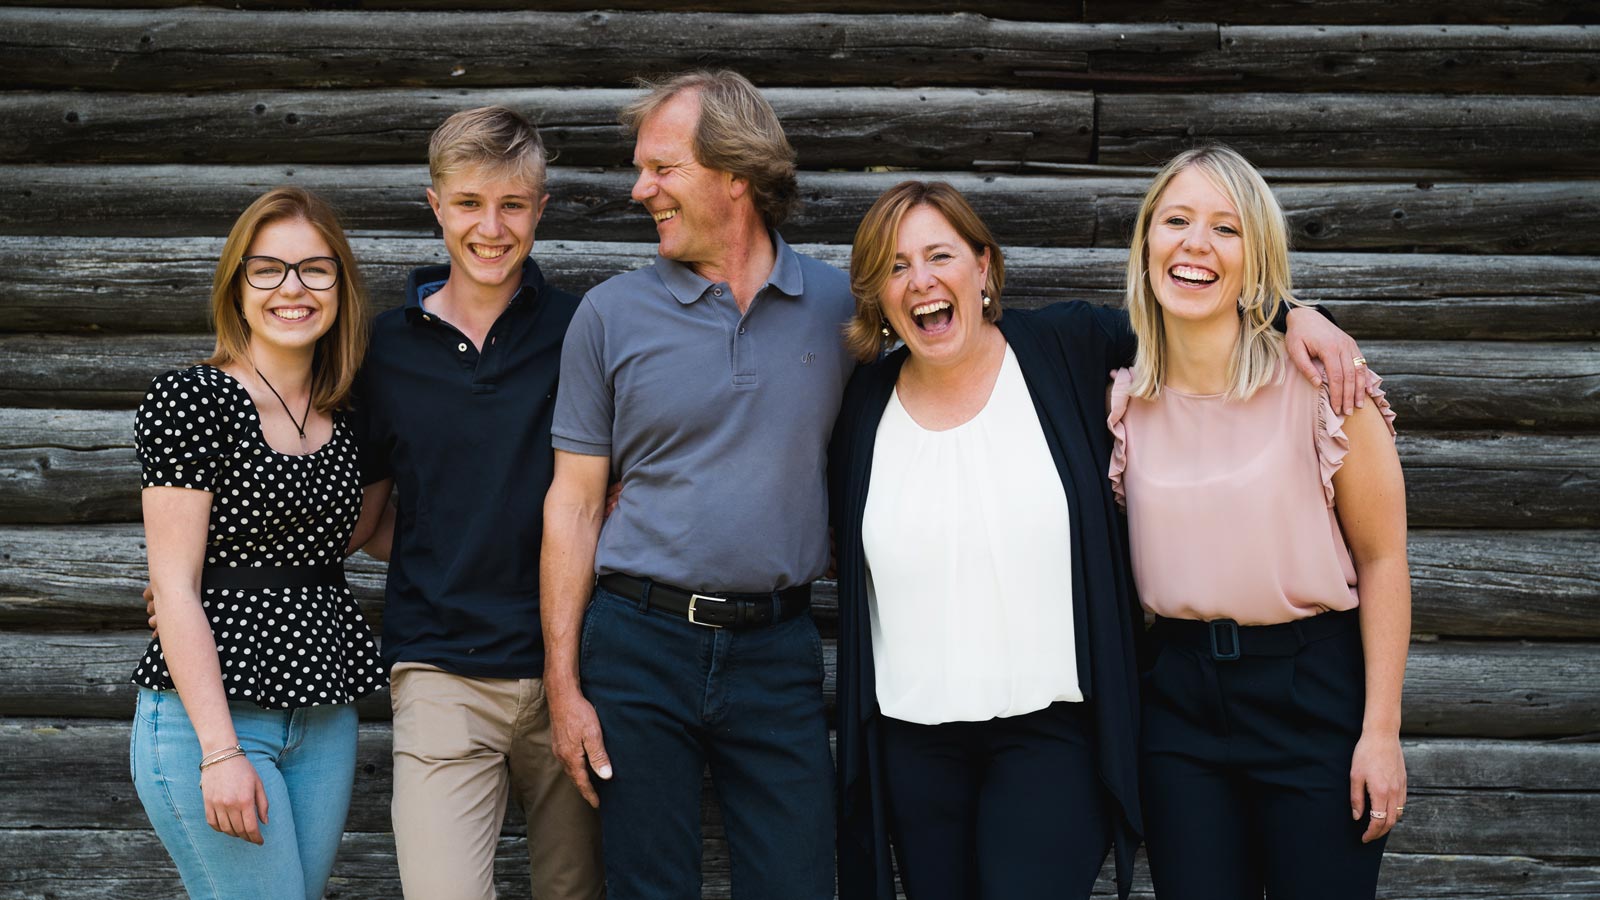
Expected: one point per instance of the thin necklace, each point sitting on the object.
(299, 426)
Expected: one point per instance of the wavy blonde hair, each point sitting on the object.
(338, 353)
(1265, 279)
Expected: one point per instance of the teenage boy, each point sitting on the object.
(454, 405)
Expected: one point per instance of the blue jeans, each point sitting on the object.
(306, 760)
(674, 697)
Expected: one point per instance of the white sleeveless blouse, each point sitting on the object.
(969, 578)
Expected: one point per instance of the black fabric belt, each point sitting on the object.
(1225, 639)
(256, 578)
(725, 610)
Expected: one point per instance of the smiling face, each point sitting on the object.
(488, 218)
(933, 299)
(1195, 249)
(692, 204)
(290, 316)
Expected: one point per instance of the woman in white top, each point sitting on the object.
(984, 592)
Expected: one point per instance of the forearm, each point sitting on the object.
(1385, 589)
(190, 650)
(566, 580)
(381, 543)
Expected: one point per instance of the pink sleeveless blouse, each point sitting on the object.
(1230, 504)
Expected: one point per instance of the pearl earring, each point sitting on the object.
(885, 331)
(987, 300)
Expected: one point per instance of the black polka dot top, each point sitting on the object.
(281, 648)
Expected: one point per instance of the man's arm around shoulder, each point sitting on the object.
(573, 511)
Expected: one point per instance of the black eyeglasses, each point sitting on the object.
(266, 273)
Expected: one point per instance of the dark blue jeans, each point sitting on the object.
(673, 698)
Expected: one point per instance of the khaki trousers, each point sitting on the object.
(461, 746)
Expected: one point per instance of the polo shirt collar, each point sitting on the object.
(685, 285)
(422, 276)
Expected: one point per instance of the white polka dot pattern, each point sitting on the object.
(279, 648)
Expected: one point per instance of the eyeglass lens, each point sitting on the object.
(317, 273)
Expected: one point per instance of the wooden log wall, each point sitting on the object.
(1436, 160)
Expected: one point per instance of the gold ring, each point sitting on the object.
(1399, 809)
(1360, 360)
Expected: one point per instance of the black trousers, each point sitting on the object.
(1246, 763)
(1007, 809)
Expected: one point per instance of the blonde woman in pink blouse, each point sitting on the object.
(1268, 540)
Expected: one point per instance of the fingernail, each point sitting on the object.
(604, 771)
(1355, 814)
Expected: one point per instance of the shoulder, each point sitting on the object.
(196, 384)
(558, 303)
(871, 383)
(624, 288)
(825, 282)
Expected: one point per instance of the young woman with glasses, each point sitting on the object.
(244, 741)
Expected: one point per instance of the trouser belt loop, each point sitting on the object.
(645, 586)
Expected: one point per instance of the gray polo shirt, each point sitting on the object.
(716, 424)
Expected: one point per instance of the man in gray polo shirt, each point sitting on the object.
(707, 385)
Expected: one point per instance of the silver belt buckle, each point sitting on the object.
(696, 598)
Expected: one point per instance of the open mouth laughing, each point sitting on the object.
(1192, 276)
(933, 317)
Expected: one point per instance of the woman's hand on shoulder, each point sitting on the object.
(234, 798)
(1378, 783)
(1309, 336)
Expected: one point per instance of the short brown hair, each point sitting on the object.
(493, 136)
(339, 352)
(737, 132)
(872, 256)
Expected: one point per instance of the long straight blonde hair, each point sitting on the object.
(1265, 279)
(339, 352)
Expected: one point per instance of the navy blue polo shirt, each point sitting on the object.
(466, 437)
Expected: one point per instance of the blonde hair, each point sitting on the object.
(872, 257)
(737, 132)
(338, 353)
(494, 137)
(1265, 276)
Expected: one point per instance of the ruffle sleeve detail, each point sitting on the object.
(1332, 443)
(1121, 384)
(181, 431)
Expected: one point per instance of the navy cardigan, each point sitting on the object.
(1065, 352)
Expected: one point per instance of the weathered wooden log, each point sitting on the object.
(1546, 789)
(1452, 688)
(829, 127)
(1094, 208)
(1500, 480)
(1491, 134)
(163, 285)
(1348, 12)
(1452, 480)
(1494, 59)
(1434, 385)
(1407, 58)
(1505, 584)
(1535, 584)
(1528, 385)
(94, 864)
(199, 49)
(1040, 10)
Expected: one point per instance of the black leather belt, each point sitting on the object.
(1225, 639)
(734, 611)
(256, 578)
